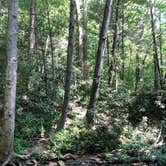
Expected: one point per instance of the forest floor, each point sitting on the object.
(80, 160)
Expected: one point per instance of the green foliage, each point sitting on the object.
(147, 104)
(41, 158)
(101, 139)
(160, 153)
(40, 96)
(19, 145)
(32, 120)
(63, 142)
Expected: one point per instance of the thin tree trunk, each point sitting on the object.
(137, 70)
(68, 68)
(8, 122)
(143, 64)
(100, 56)
(80, 35)
(113, 67)
(123, 51)
(85, 42)
(0, 6)
(155, 53)
(130, 61)
(161, 49)
(44, 55)
(108, 54)
(51, 45)
(33, 27)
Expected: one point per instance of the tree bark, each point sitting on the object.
(130, 61)
(33, 27)
(8, 121)
(100, 56)
(123, 51)
(85, 42)
(113, 67)
(161, 50)
(137, 70)
(68, 68)
(155, 53)
(80, 35)
(52, 47)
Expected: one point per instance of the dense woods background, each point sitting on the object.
(91, 82)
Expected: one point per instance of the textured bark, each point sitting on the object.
(85, 42)
(155, 53)
(80, 34)
(130, 61)
(137, 70)
(51, 46)
(100, 55)
(161, 50)
(123, 51)
(0, 6)
(68, 68)
(44, 59)
(8, 121)
(33, 27)
(113, 67)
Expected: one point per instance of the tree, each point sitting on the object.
(8, 121)
(113, 64)
(137, 69)
(85, 42)
(155, 53)
(161, 49)
(33, 26)
(51, 45)
(123, 51)
(80, 34)
(100, 56)
(68, 68)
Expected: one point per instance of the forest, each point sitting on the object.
(82, 82)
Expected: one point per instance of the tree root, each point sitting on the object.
(16, 160)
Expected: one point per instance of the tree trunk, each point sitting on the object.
(161, 50)
(137, 70)
(52, 47)
(0, 6)
(85, 42)
(100, 56)
(33, 27)
(123, 51)
(44, 59)
(130, 61)
(8, 121)
(69, 67)
(155, 53)
(80, 35)
(113, 67)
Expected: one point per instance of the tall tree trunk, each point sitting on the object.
(80, 35)
(44, 59)
(155, 53)
(113, 67)
(0, 6)
(8, 121)
(137, 70)
(68, 68)
(100, 56)
(123, 51)
(130, 61)
(85, 42)
(161, 49)
(51, 45)
(33, 27)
